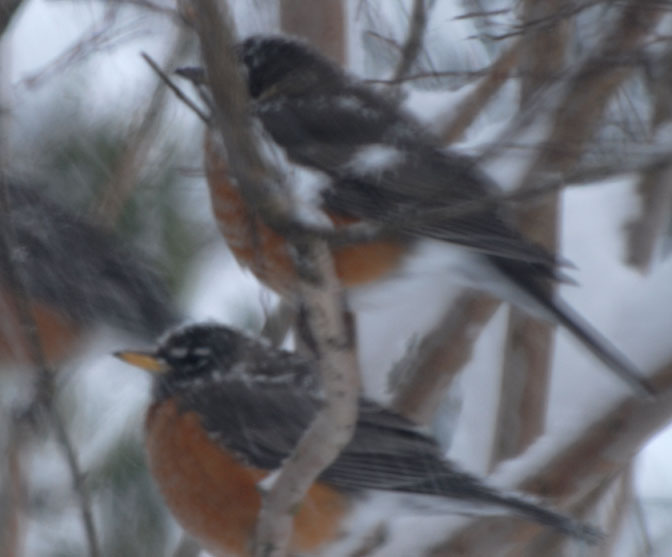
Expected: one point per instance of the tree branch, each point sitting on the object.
(12, 487)
(655, 186)
(413, 43)
(467, 111)
(261, 187)
(8, 9)
(529, 345)
(577, 466)
(424, 379)
(320, 23)
(138, 143)
(644, 231)
(585, 94)
(333, 426)
(619, 490)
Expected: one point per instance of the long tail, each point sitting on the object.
(457, 492)
(531, 510)
(578, 326)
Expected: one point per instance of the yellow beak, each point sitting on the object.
(143, 360)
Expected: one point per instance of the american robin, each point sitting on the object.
(384, 168)
(75, 275)
(227, 410)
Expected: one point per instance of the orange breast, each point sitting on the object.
(261, 249)
(57, 333)
(214, 497)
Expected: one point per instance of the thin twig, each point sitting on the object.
(467, 111)
(102, 35)
(482, 13)
(433, 74)
(585, 93)
(176, 90)
(413, 43)
(137, 145)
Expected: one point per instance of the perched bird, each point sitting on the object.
(227, 410)
(75, 276)
(383, 168)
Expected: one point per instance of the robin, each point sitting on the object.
(74, 275)
(227, 410)
(384, 168)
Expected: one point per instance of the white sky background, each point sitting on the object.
(630, 309)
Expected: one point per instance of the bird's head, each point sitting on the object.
(191, 352)
(275, 62)
(278, 64)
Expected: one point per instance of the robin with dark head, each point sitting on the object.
(74, 276)
(382, 167)
(227, 410)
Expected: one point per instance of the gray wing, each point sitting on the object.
(263, 425)
(413, 186)
(84, 271)
(386, 453)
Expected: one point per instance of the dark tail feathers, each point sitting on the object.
(579, 327)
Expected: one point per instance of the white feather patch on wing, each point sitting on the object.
(375, 159)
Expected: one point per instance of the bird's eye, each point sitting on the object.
(202, 351)
(178, 352)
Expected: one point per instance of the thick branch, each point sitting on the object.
(333, 426)
(644, 231)
(440, 356)
(318, 285)
(320, 23)
(655, 186)
(259, 183)
(529, 345)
